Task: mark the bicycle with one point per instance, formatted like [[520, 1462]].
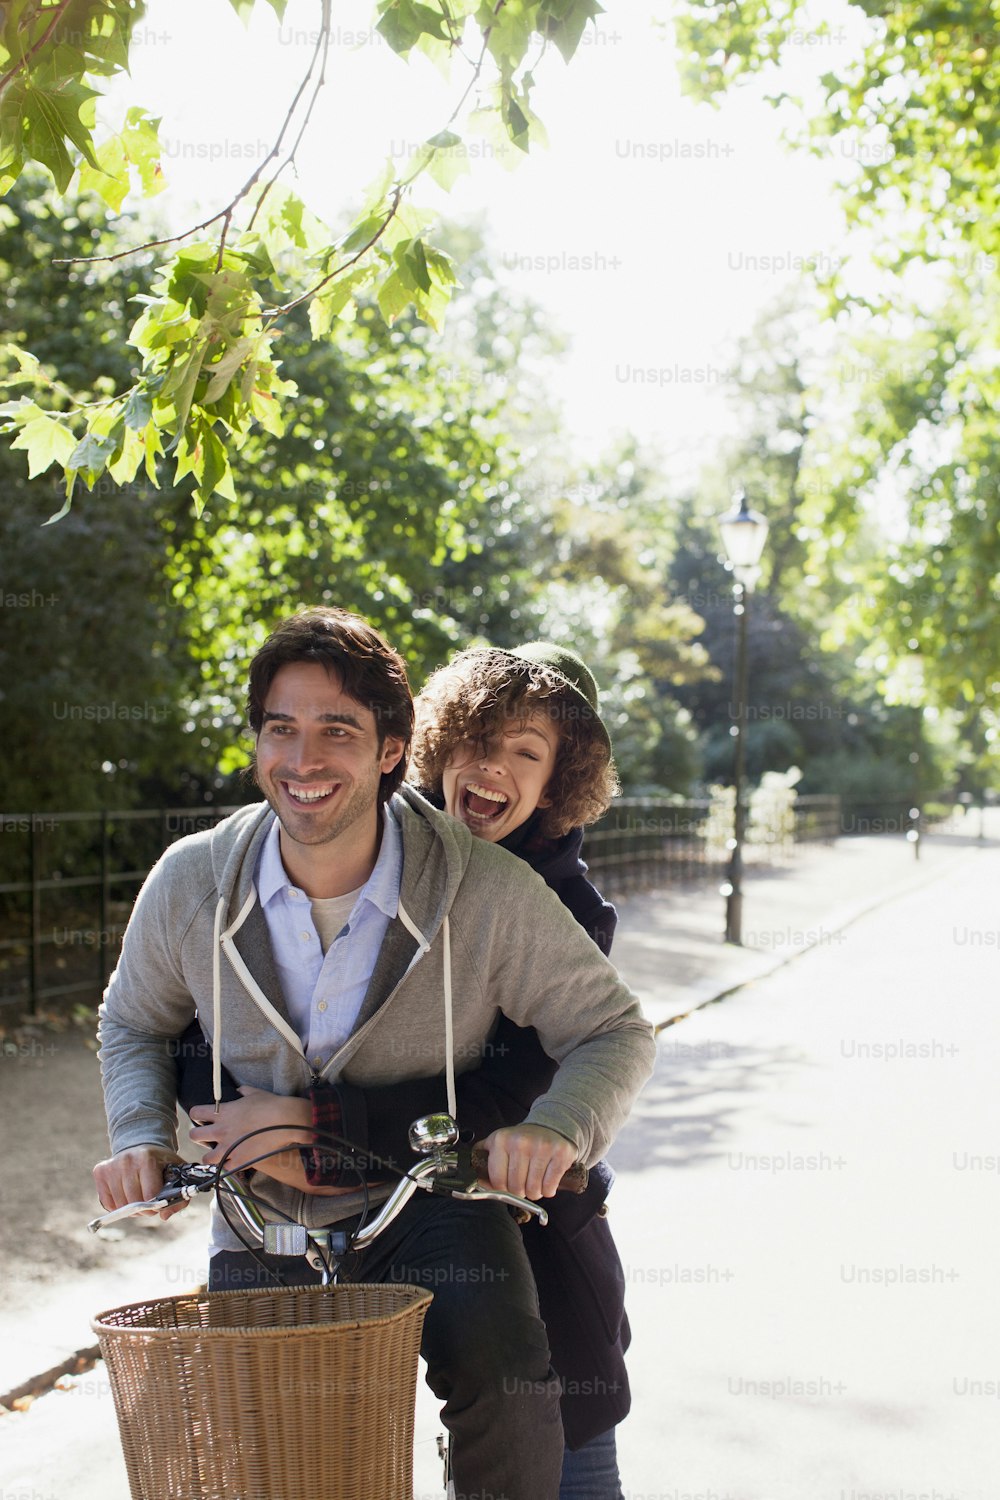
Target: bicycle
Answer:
[[373, 1347]]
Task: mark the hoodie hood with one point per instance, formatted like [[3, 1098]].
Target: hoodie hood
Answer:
[[437, 857]]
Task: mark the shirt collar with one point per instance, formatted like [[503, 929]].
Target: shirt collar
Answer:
[[381, 887]]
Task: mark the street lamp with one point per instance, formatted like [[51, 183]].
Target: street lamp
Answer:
[[744, 533]]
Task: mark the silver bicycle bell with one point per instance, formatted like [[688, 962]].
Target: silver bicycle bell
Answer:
[[433, 1135]]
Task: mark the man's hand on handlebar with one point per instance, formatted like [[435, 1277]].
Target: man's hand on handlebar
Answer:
[[133, 1176], [528, 1160]]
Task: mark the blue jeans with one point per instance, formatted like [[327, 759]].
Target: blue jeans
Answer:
[[591, 1473]]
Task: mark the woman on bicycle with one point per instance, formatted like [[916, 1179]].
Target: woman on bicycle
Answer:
[[511, 743]]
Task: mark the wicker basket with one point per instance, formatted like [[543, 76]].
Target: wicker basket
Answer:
[[301, 1393]]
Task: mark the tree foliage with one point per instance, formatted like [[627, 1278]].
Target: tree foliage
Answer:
[[397, 473], [917, 103], [902, 457], [209, 341]]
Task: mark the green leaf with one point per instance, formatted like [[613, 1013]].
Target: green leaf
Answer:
[[416, 263], [510, 30], [153, 449], [52, 118], [567, 29], [404, 22], [124, 464], [441, 267], [45, 139], [90, 456], [47, 440], [109, 179], [362, 233], [450, 160], [141, 143], [182, 381], [394, 297], [209, 463], [517, 121], [222, 372], [331, 302], [27, 363], [22, 410], [138, 409]]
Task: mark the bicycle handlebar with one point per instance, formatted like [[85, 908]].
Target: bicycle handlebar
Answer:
[[440, 1173], [573, 1180]]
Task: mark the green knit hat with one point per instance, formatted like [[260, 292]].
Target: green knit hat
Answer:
[[573, 670]]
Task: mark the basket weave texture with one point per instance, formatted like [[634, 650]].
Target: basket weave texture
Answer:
[[299, 1393]]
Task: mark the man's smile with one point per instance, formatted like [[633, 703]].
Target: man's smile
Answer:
[[309, 795]]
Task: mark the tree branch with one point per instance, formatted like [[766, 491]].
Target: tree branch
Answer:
[[397, 195], [322, 41], [226, 213], [272, 314], [60, 9], [321, 49]]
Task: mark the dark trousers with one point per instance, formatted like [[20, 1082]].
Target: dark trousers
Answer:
[[486, 1348]]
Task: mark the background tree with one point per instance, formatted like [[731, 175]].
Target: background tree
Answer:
[[211, 338], [399, 464], [915, 369]]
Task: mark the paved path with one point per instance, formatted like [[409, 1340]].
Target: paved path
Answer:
[[805, 1224], [808, 1197]]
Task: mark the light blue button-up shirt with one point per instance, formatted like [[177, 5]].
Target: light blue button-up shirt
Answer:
[[324, 993]]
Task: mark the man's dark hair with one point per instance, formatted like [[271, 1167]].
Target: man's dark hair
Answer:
[[370, 672]]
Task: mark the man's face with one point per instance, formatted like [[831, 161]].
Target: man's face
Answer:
[[318, 762], [495, 792]]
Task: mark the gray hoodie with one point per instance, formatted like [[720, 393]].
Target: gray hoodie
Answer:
[[477, 933]]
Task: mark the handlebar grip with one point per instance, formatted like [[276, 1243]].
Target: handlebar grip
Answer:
[[574, 1180]]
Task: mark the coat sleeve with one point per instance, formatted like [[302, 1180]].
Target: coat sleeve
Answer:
[[146, 1006], [554, 978]]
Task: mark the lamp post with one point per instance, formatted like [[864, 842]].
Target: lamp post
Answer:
[[744, 533]]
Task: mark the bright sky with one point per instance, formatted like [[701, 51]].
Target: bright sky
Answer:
[[653, 230]]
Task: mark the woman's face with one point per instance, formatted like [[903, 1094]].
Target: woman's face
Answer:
[[494, 792]]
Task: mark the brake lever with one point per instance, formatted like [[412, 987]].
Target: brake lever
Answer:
[[127, 1210], [173, 1191], [524, 1206]]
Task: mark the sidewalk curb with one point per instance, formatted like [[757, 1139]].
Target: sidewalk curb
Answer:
[[841, 919]]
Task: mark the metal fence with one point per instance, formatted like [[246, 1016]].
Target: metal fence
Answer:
[[67, 885], [641, 843], [68, 880]]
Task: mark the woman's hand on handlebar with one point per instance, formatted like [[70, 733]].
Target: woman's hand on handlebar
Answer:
[[133, 1176], [528, 1160]]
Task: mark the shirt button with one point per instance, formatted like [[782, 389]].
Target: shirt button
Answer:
[[305, 936], [321, 1005], [317, 1062]]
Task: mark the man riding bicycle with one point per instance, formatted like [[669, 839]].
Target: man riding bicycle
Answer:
[[349, 929]]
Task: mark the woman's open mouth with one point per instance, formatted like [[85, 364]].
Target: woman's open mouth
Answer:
[[483, 804]]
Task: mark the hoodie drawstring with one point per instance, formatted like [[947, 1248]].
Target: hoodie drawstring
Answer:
[[449, 1027], [224, 940], [220, 911]]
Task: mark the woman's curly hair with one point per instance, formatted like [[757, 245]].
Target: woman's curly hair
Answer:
[[483, 693]]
